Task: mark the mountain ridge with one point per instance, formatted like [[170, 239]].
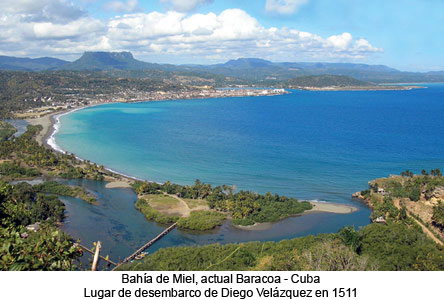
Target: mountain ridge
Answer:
[[250, 69], [30, 64]]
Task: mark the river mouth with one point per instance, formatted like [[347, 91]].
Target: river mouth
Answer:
[[122, 229]]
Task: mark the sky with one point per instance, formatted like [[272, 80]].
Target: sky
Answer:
[[407, 34]]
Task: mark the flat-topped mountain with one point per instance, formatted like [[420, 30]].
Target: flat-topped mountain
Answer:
[[247, 63], [100, 61]]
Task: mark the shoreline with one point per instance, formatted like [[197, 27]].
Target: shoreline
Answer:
[[51, 123], [363, 88], [317, 207], [47, 122], [330, 207]]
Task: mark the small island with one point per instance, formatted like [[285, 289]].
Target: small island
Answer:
[[203, 207]]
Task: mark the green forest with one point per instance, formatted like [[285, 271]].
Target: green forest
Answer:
[[25, 158], [48, 248], [245, 207], [391, 247]]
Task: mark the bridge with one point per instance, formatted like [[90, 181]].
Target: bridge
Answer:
[[146, 246]]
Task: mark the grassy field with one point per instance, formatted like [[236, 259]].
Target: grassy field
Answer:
[[161, 202], [193, 203]]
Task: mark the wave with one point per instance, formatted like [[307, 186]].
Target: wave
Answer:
[[56, 127], [122, 174]]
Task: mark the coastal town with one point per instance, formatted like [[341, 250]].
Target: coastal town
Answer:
[[76, 99]]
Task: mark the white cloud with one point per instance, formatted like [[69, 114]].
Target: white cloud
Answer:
[[121, 6], [173, 36], [341, 42], [232, 33], [75, 29], [185, 5], [145, 26], [55, 11], [285, 7]]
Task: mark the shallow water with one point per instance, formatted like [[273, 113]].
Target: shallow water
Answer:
[[20, 125]]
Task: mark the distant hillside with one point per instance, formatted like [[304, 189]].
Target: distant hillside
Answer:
[[260, 70], [246, 63], [325, 81], [253, 71], [101, 61], [30, 64]]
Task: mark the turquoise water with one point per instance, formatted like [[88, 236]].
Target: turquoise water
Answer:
[[311, 145]]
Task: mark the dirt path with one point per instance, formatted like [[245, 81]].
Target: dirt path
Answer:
[[424, 228], [184, 209]]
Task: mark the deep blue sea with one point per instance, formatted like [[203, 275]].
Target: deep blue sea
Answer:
[[310, 145]]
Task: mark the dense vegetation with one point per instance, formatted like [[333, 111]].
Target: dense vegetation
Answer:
[[395, 246], [16, 171], [21, 249], [245, 207], [152, 214], [201, 220], [198, 220], [438, 214], [295, 254], [6, 130], [56, 188], [29, 159]]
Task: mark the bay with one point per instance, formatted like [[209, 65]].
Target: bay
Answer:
[[310, 145]]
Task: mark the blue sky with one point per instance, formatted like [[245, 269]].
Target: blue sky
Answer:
[[403, 34]]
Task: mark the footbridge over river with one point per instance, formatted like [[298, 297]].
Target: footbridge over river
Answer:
[[147, 245]]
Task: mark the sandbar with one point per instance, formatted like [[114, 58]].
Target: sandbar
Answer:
[[331, 208], [117, 184]]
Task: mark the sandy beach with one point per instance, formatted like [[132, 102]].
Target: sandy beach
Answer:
[[331, 208], [117, 184], [257, 226], [318, 207], [47, 123]]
